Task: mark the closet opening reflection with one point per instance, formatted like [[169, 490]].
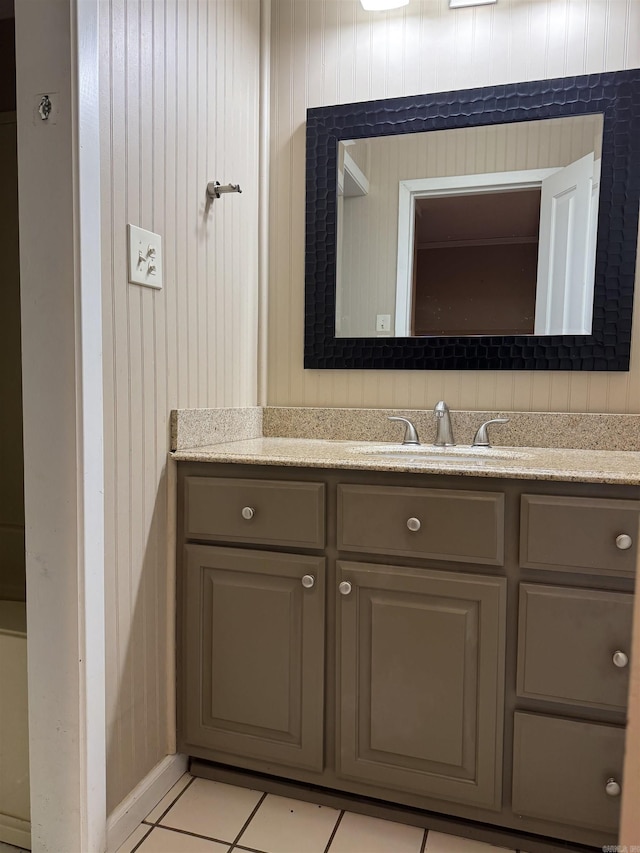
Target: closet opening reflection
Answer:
[[475, 264]]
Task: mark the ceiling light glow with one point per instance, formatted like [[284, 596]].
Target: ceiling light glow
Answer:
[[382, 5], [461, 4]]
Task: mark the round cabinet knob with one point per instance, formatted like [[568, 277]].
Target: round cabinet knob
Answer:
[[620, 659], [248, 512], [308, 581], [414, 524], [345, 588], [612, 788], [624, 542]]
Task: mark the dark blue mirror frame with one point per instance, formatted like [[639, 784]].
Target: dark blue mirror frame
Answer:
[[616, 95]]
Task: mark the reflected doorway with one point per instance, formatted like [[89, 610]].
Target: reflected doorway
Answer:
[[475, 264]]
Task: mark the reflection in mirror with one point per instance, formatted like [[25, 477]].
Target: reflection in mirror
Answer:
[[471, 231]]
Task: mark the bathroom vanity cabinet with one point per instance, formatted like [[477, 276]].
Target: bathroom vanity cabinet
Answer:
[[452, 644]]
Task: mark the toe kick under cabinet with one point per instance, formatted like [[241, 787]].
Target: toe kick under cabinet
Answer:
[[456, 645]]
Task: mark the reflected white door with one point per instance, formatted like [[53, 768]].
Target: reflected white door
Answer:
[[568, 217]]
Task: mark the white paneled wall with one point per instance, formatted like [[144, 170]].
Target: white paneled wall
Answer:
[[179, 108], [332, 51]]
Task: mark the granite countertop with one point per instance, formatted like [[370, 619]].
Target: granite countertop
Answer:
[[520, 463]]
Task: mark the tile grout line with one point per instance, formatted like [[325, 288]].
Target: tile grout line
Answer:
[[333, 834], [424, 841], [153, 826], [172, 804], [144, 838], [247, 822], [248, 849]]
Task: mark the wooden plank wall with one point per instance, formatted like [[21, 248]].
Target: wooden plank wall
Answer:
[[328, 52], [179, 108]]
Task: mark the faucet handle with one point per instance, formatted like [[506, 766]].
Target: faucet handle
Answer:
[[410, 434], [482, 436]]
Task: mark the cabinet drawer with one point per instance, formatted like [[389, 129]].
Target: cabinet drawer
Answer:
[[578, 534], [567, 639], [561, 768], [269, 512], [452, 525]]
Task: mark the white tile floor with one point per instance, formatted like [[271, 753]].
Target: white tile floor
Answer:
[[198, 816]]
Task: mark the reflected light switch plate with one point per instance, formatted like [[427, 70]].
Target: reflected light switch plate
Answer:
[[145, 257], [383, 322]]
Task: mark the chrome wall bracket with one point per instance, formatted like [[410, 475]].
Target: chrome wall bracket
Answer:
[[44, 107], [215, 189]]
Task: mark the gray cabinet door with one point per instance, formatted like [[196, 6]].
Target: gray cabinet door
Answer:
[[254, 655], [421, 681], [569, 640], [562, 770]]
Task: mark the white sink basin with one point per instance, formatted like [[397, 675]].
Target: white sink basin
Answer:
[[430, 453]]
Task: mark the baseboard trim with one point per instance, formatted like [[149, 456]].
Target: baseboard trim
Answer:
[[133, 809], [15, 831]]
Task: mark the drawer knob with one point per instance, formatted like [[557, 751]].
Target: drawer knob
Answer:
[[612, 788], [345, 588], [624, 542], [248, 512], [414, 524], [308, 581], [620, 659]]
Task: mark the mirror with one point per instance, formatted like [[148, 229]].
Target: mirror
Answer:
[[471, 231], [454, 264]]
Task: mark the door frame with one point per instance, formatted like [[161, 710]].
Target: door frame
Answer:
[[59, 218]]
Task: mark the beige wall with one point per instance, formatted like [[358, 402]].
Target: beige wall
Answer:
[[179, 108], [331, 51]]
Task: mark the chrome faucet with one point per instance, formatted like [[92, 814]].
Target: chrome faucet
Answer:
[[444, 430], [410, 433]]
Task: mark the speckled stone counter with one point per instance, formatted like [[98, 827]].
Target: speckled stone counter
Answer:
[[200, 427], [523, 463]]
